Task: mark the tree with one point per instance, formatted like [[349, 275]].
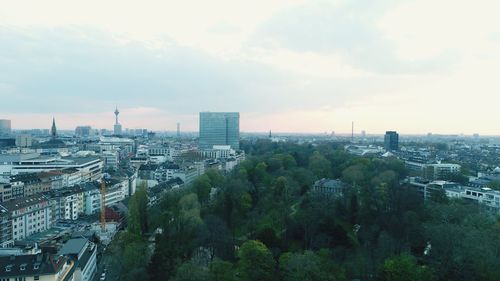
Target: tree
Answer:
[[288, 161], [216, 179], [309, 266], [216, 237], [202, 187], [354, 175], [256, 263], [405, 268], [495, 185], [138, 212], [319, 165], [188, 271], [221, 271]]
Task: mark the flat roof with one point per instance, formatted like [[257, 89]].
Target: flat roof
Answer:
[[74, 246]]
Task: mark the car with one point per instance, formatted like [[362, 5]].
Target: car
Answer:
[[102, 278]]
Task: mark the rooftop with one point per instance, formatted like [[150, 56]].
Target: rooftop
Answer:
[[74, 246], [24, 202], [30, 265]]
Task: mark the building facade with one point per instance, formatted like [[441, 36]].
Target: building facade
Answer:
[[5, 127], [391, 141], [219, 128], [29, 215]]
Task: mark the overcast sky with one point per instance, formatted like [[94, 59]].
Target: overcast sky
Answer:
[[415, 66]]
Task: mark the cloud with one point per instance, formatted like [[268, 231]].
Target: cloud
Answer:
[[83, 69], [65, 69], [346, 28]]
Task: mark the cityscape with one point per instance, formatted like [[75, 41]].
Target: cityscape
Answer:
[[264, 141]]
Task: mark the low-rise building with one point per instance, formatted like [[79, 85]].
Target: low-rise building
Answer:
[[329, 188], [90, 167], [6, 239], [44, 267], [84, 255]]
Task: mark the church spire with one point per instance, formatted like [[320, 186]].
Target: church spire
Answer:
[[53, 130]]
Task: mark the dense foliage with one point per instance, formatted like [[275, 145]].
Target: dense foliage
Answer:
[[261, 222]]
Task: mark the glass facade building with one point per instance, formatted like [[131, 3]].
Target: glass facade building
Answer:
[[219, 128], [391, 141]]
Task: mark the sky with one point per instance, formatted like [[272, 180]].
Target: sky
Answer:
[[415, 66]]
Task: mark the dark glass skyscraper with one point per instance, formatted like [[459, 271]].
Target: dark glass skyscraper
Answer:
[[391, 141], [219, 128]]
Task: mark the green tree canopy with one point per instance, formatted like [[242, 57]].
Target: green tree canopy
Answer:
[[256, 263]]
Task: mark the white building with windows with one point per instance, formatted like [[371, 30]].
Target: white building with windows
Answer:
[[111, 159], [67, 204], [90, 168], [91, 199], [29, 215]]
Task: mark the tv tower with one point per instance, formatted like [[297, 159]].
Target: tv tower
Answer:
[[117, 112], [117, 127]]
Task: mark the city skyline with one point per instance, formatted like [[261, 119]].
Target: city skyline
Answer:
[[379, 64], [356, 132]]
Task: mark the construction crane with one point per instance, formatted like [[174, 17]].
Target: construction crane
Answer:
[[103, 206]]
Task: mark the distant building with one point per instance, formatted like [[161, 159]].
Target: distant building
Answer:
[[328, 188], [12, 164], [219, 128], [5, 127], [111, 159], [124, 145], [83, 131], [441, 171], [24, 140], [219, 152], [391, 141]]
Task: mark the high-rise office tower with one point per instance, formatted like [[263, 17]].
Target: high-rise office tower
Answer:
[[5, 127], [219, 128], [118, 127], [391, 141]]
